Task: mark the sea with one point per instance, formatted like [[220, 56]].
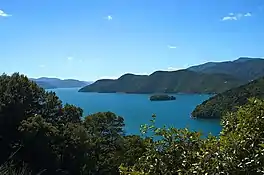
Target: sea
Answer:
[[137, 109]]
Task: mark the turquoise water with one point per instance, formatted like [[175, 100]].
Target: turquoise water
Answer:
[[137, 109]]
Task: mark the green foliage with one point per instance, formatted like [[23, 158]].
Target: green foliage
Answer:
[[183, 81], [52, 138], [242, 139], [71, 114], [228, 101], [44, 137], [73, 149], [238, 150], [173, 152], [37, 140], [106, 133]]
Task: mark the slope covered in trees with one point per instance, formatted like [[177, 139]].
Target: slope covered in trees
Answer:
[[39, 135], [244, 68], [183, 81], [228, 101]]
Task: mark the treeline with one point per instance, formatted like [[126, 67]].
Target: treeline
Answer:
[[228, 101], [39, 135], [180, 81]]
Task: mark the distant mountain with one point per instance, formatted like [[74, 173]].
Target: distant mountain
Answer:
[[51, 83], [183, 81], [45, 85], [228, 101], [244, 68]]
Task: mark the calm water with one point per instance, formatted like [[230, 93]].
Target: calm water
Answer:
[[138, 109]]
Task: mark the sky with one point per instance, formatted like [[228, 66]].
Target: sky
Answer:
[[94, 39]]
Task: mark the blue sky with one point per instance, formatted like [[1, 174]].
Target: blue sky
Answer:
[[92, 39]]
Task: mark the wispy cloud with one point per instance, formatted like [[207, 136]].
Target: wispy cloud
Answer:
[[247, 14], [172, 47], [109, 18], [229, 18], [3, 14], [109, 77], [173, 68], [70, 58], [235, 16], [141, 73]]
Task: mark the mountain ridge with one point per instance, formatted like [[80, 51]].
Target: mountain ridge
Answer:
[[244, 68], [181, 81], [53, 83], [238, 72]]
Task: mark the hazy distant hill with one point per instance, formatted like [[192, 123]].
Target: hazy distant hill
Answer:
[[183, 81], [50, 83], [228, 101], [244, 68]]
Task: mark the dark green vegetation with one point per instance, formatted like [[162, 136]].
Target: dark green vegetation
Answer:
[[161, 98], [244, 68], [183, 81], [228, 101], [52, 83], [210, 77], [39, 135]]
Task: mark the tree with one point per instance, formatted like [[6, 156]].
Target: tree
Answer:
[[168, 150], [242, 139], [71, 114], [134, 148], [21, 98], [74, 149], [238, 150], [35, 123], [106, 132], [38, 144]]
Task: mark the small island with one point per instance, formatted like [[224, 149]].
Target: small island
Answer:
[[161, 98]]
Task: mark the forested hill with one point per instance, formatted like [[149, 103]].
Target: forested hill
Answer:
[[219, 105], [244, 68], [181, 81]]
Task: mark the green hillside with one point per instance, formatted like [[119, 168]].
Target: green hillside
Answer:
[[217, 106], [183, 81], [244, 68]]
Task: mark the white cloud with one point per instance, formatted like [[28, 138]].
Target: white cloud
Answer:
[[70, 58], [248, 14], [3, 14], [237, 16], [172, 47], [229, 18], [109, 18]]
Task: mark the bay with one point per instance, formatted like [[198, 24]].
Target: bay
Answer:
[[137, 109]]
